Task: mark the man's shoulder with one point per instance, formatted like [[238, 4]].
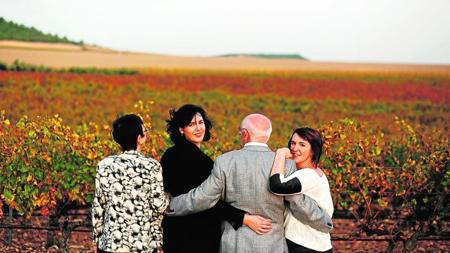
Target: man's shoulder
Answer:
[[229, 154], [290, 166], [242, 153], [290, 162]]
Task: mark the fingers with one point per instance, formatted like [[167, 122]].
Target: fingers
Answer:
[[264, 225], [287, 153], [263, 230], [263, 220], [258, 224]]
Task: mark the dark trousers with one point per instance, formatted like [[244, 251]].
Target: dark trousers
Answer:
[[102, 251], [296, 248]]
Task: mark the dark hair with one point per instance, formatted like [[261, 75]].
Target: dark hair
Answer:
[[126, 129], [182, 117], [314, 138]]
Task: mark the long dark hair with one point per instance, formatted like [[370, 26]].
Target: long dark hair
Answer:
[[182, 117], [315, 140]]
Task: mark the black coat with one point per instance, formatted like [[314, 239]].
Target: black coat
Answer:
[[185, 167]]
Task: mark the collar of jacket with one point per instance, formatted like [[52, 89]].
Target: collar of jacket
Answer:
[[185, 143], [256, 148], [131, 152]]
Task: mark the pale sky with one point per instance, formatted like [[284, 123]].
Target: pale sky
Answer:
[[390, 31]]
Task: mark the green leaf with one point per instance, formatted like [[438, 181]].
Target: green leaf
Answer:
[[27, 189], [39, 175], [89, 198], [8, 195], [66, 185], [32, 134], [23, 169], [377, 151]]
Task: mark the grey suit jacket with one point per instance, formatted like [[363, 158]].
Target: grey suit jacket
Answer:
[[241, 178]]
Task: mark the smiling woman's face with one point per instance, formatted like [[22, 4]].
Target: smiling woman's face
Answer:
[[195, 130], [301, 150]]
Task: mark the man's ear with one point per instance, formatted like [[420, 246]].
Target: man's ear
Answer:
[[181, 130], [247, 136]]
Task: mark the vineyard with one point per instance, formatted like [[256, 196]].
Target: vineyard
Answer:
[[386, 140]]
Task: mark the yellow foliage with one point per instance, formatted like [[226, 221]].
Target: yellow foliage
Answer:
[[42, 200]]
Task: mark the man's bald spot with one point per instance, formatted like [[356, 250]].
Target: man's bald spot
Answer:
[[258, 125]]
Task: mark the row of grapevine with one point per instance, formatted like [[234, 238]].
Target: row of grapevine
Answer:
[[374, 178]]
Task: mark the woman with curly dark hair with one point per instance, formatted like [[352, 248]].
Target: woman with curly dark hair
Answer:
[[185, 167]]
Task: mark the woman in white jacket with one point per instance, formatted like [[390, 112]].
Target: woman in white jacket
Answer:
[[305, 148]]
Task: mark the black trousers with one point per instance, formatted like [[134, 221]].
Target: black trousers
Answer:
[[102, 251], [296, 248]]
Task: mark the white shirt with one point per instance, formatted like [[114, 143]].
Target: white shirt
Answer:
[[255, 144], [317, 188]]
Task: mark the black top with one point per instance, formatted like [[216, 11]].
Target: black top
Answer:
[[185, 167]]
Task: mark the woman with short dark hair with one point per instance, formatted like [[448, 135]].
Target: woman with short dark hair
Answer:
[[126, 130], [305, 148], [185, 167], [129, 201]]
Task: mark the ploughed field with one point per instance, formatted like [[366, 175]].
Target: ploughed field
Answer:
[[33, 241]]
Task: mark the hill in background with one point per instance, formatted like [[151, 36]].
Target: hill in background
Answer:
[[12, 31], [268, 56], [24, 46]]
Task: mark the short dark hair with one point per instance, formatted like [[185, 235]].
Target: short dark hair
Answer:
[[182, 117], [315, 140], [126, 129]]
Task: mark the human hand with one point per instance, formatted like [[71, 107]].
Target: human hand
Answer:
[[258, 224], [284, 152]]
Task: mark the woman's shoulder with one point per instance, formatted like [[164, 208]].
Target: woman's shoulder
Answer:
[[179, 148], [171, 153], [309, 172], [107, 161], [147, 167]]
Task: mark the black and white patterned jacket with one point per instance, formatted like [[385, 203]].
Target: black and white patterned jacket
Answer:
[[129, 203]]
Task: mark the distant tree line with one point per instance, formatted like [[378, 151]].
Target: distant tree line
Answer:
[[26, 67], [12, 31]]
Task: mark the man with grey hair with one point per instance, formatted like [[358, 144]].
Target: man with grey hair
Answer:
[[258, 127], [241, 178]]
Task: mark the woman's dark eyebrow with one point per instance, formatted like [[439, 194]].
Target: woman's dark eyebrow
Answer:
[[299, 142]]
